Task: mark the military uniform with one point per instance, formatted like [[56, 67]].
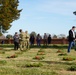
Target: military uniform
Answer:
[[27, 39], [22, 40]]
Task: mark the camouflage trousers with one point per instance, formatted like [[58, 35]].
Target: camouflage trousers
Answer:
[[27, 43], [22, 45]]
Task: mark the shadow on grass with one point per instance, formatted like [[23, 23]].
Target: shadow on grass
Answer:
[[51, 46], [57, 46], [58, 62]]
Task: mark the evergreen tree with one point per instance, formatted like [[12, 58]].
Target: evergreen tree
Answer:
[[8, 13]]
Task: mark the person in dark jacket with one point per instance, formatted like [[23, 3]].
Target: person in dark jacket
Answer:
[[16, 41], [49, 39], [71, 38], [32, 39]]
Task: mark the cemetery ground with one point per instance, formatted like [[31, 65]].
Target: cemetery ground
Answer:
[[51, 60]]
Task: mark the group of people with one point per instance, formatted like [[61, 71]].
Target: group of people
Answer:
[[21, 40], [38, 38]]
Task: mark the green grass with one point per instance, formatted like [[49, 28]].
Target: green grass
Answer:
[[6, 45], [35, 46], [24, 64]]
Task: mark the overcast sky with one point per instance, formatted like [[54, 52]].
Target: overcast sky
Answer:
[[45, 16]]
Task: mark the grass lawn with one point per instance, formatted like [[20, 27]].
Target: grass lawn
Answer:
[[37, 61]]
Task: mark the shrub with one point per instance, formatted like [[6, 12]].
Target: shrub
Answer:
[[68, 58], [34, 65], [12, 56], [62, 54], [72, 68], [59, 51], [39, 57]]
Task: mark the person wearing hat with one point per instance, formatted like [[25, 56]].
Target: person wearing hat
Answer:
[[71, 38]]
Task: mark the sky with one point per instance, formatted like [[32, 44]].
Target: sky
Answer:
[[45, 16]]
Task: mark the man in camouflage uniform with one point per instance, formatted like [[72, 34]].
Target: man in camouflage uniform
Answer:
[[27, 39], [22, 39]]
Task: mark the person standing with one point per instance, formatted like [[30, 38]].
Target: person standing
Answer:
[[49, 39], [32, 39], [45, 39], [71, 38], [38, 39], [27, 39], [22, 39], [16, 41]]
